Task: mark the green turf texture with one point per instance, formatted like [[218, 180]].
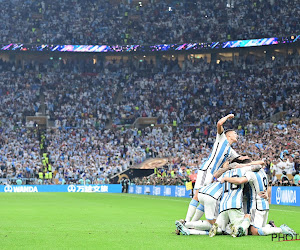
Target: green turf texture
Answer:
[[115, 221]]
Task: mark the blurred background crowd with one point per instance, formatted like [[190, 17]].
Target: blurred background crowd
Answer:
[[145, 22], [91, 103]]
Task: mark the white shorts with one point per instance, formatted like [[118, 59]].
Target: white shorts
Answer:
[[234, 216], [258, 218], [204, 177], [211, 206]]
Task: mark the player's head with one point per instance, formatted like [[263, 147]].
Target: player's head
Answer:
[[242, 160], [232, 165], [231, 135]]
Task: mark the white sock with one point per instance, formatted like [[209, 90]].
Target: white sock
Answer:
[[199, 212], [245, 224], [198, 232], [199, 225], [269, 230], [191, 210], [228, 229]]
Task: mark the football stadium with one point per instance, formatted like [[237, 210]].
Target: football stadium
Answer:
[[150, 124]]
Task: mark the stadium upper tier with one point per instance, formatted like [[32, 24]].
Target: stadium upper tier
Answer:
[[142, 22], [78, 93]]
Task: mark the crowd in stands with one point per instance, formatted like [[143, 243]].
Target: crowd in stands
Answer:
[[19, 146], [145, 22], [82, 99], [195, 92], [276, 144]]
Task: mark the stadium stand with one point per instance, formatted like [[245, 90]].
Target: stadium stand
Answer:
[[92, 105], [145, 22], [82, 144]]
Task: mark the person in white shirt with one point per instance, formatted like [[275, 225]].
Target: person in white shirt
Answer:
[[221, 152]]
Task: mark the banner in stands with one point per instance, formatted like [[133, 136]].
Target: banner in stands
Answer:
[[172, 191], [110, 188], [150, 48], [285, 196]]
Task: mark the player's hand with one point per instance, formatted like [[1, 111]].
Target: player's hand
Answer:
[[261, 162], [222, 180], [244, 157], [230, 116], [264, 195], [237, 166]]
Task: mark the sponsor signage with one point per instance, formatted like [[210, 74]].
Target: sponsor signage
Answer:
[[285, 196], [172, 191], [280, 195], [110, 188]]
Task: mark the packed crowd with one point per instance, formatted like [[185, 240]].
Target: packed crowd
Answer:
[[95, 155], [145, 22], [80, 101], [19, 146], [276, 144], [19, 90], [83, 98], [194, 92]]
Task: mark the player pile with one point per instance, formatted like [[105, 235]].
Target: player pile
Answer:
[[237, 201]]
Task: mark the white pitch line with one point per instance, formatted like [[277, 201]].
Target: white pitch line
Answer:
[[179, 200], [284, 210], [157, 198]]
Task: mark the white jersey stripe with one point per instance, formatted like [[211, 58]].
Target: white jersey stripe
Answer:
[[258, 182], [232, 195], [220, 153]]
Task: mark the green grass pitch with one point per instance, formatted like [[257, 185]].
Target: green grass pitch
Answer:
[[115, 221]]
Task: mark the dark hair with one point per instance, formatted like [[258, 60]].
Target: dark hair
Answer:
[[241, 161], [228, 130]]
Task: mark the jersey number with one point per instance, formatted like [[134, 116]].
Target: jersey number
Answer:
[[265, 183], [230, 186]]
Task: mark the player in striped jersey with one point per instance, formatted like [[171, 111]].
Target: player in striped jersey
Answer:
[[259, 206], [208, 197], [221, 152], [231, 204]]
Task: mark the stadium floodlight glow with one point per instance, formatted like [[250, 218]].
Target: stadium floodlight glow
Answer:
[[152, 48]]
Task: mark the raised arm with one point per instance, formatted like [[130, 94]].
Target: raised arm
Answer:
[[222, 170], [220, 123], [235, 180]]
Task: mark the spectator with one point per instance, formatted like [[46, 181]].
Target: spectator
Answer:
[[156, 22], [296, 179], [284, 179]]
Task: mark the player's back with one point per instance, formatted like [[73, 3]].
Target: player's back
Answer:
[[214, 190], [220, 146], [221, 152], [232, 195], [258, 182]]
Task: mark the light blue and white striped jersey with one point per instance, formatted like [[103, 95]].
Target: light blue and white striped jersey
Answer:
[[258, 182], [232, 195], [214, 190], [221, 152]]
